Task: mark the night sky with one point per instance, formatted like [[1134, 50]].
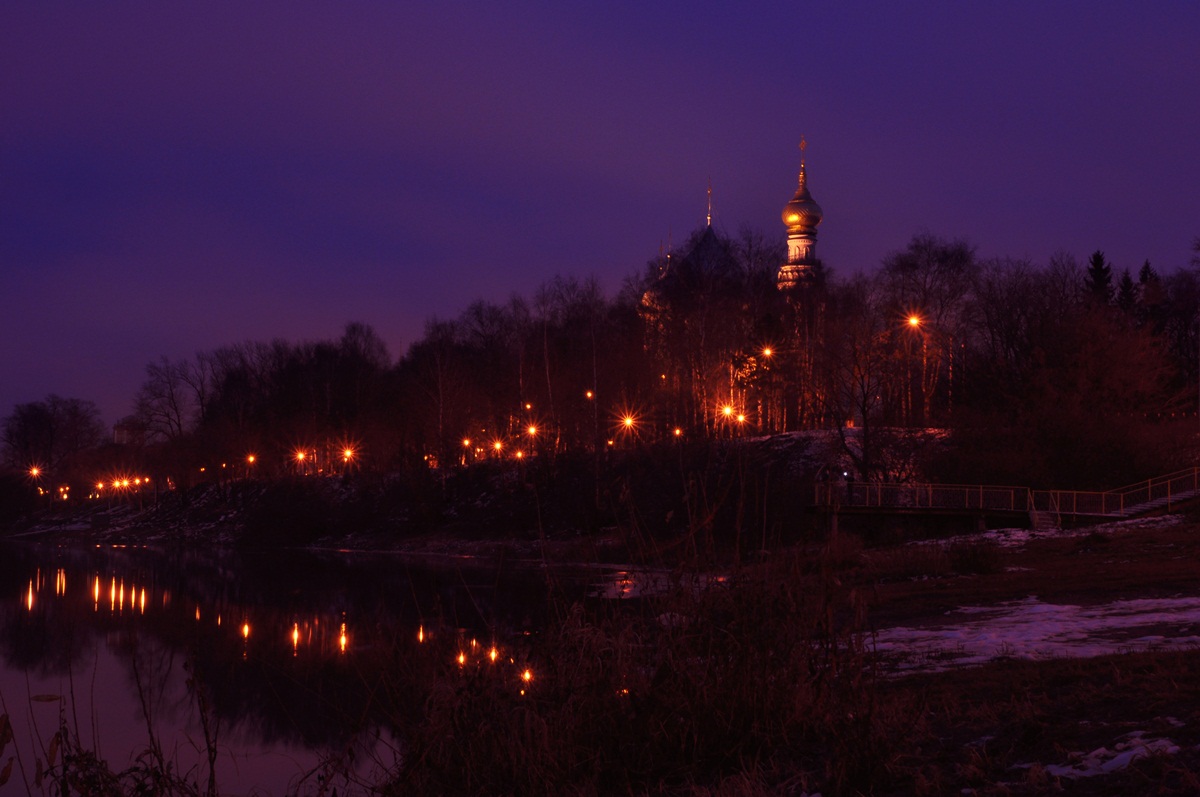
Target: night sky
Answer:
[[177, 177]]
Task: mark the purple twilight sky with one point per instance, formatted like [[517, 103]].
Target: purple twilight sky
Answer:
[[177, 177]]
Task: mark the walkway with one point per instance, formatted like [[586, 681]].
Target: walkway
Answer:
[[1161, 493]]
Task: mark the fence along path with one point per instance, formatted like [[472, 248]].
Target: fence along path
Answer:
[[1162, 492]]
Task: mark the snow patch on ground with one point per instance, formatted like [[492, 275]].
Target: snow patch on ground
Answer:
[[1103, 761], [1016, 538], [1031, 629]]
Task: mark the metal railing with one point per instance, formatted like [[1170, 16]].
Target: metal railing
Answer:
[[922, 496], [1162, 491]]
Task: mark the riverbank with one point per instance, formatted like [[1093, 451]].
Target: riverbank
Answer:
[[684, 503], [225, 516]]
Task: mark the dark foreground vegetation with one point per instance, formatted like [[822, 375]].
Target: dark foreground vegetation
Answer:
[[763, 682]]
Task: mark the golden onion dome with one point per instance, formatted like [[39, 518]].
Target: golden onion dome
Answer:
[[803, 210]]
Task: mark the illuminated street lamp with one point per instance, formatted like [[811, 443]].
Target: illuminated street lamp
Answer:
[[349, 459], [944, 343], [626, 425]]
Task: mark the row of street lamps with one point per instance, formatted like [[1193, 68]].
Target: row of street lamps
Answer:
[[626, 423]]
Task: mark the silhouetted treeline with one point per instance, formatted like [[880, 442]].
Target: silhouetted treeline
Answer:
[[1046, 374]]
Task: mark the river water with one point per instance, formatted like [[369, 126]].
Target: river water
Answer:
[[296, 668]]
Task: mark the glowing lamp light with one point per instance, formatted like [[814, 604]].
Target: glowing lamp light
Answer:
[[533, 430], [678, 432], [35, 471], [914, 321], [497, 445], [527, 676], [590, 394], [727, 411], [520, 455], [628, 421], [347, 454], [767, 352], [492, 654], [466, 442], [462, 659], [741, 418], [250, 459], [245, 630]]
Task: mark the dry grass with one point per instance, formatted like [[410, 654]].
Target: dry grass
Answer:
[[997, 729], [756, 684]]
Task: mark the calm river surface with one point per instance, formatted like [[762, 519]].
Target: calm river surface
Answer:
[[297, 655]]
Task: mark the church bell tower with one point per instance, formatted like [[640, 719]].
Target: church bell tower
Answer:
[[801, 217]]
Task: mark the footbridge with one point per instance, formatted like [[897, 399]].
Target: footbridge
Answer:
[[1045, 508]]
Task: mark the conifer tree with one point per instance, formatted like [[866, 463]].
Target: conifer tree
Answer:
[[1098, 282], [1127, 293]]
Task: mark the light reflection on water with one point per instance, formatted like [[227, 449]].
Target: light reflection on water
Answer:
[[630, 584], [289, 650]]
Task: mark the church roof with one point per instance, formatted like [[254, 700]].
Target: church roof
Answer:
[[802, 211]]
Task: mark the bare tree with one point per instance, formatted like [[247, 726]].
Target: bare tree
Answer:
[[48, 433], [166, 401], [929, 283]]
